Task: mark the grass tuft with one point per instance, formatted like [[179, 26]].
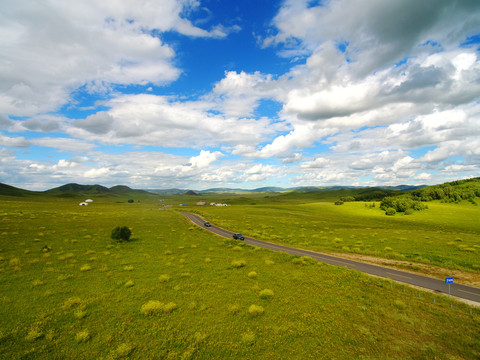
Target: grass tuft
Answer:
[[123, 351], [234, 308], [164, 278], [86, 268], [33, 334], [168, 308], [82, 336], [71, 302], [15, 262], [128, 267], [399, 304], [152, 307], [255, 310], [239, 263], [37, 282], [129, 283], [266, 294], [252, 275], [248, 338], [80, 313]]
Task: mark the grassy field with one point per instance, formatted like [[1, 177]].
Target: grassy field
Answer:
[[67, 291], [447, 235]]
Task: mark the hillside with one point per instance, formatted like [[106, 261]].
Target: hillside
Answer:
[[9, 190], [454, 191], [73, 190]]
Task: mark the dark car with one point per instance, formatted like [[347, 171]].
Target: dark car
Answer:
[[238, 236], [207, 224]]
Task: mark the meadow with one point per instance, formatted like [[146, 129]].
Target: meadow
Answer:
[[177, 291], [445, 235]]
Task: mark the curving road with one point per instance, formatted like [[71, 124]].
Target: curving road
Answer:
[[462, 291]]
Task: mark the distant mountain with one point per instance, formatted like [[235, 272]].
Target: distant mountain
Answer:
[[77, 188], [73, 189], [167, 191]]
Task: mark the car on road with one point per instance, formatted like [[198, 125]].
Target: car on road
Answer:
[[238, 236], [207, 224]]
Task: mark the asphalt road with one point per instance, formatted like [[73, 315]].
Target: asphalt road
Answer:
[[462, 291]]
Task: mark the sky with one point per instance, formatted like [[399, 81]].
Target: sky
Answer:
[[199, 94]]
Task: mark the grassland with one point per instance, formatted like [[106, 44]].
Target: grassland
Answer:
[[178, 292], [446, 235]]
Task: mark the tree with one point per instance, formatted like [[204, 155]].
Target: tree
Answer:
[[121, 233]]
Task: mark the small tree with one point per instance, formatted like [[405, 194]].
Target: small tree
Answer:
[[390, 212], [121, 233]]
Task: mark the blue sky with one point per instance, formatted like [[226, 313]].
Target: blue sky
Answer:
[[199, 94]]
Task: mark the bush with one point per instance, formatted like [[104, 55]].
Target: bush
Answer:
[[121, 233], [152, 307], [390, 212], [339, 202]]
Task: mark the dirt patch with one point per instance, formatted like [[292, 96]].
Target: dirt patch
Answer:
[[460, 276]]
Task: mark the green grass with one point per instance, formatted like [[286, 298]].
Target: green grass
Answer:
[[244, 302], [447, 235]]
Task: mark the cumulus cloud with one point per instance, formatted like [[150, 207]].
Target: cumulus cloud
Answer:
[[205, 158], [386, 94], [50, 48], [147, 119]]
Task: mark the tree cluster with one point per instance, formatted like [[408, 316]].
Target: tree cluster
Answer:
[[454, 191], [403, 203]]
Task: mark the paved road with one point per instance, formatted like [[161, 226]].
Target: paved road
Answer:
[[458, 290]]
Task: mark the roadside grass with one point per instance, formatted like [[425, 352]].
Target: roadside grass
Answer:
[[244, 302], [446, 235]]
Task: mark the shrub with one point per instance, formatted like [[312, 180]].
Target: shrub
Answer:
[[152, 307], [255, 310], [339, 202], [121, 233], [252, 274], [390, 211], [129, 283], [238, 263], [266, 294]]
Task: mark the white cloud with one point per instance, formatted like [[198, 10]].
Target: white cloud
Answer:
[[205, 159], [51, 47], [147, 119], [97, 173]]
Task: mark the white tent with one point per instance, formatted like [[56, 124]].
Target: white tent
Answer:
[[88, 200], [83, 204]]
